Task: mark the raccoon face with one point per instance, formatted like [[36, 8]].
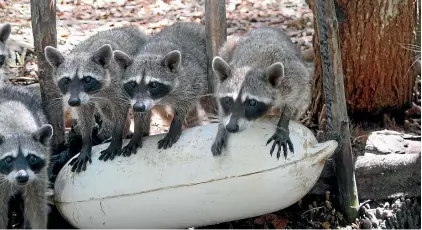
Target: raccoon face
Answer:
[[243, 94], [23, 156], [149, 78], [79, 76], [5, 31]]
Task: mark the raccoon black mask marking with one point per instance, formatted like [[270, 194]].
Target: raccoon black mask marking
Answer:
[[158, 77], [154, 89], [251, 109], [75, 86], [21, 164]]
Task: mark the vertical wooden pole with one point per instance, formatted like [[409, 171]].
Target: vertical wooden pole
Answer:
[[216, 31], [327, 27], [43, 19]]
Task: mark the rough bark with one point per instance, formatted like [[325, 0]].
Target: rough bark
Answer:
[[337, 119], [376, 65], [43, 18]]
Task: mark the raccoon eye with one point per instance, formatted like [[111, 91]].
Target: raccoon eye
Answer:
[[32, 159], [227, 100], [8, 160], [66, 80], [252, 102], [154, 85], [88, 79], [132, 84]]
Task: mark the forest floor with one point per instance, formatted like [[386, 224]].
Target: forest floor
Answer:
[[76, 20]]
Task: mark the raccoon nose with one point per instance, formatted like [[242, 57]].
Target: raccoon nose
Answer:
[[22, 177], [139, 107], [74, 101], [232, 127], [2, 58]]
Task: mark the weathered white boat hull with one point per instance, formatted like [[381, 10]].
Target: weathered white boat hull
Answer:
[[186, 186]]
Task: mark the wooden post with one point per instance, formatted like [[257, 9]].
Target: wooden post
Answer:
[[43, 19], [329, 41], [216, 31]]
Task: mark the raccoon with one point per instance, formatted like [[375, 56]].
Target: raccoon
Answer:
[[170, 70], [90, 82], [24, 155], [5, 31], [263, 69]]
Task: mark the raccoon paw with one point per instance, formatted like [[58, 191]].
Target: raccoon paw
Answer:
[[281, 138], [79, 164], [131, 148], [110, 152], [217, 147], [168, 140]]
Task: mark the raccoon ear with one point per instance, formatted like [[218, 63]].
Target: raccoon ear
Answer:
[[172, 60], [5, 32], [122, 59], [43, 134], [1, 139], [221, 68], [102, 56], [274, 73], [53, 56]]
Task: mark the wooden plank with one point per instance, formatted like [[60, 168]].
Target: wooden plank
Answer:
[[43, 19], [333, 78]]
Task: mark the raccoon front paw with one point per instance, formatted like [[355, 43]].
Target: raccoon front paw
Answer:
[[79, 164], [168, 140], [110, 152], [131, 148], [281, 138], [217, 147]]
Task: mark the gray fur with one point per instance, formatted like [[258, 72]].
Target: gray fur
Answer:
[[28, 131], [93, 57], [266, 65], [176, 57]]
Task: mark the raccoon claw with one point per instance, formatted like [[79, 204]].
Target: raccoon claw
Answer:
[[217, 147], [168, 140], [281, 138], [110, 153], [79, 164], [131, 148]]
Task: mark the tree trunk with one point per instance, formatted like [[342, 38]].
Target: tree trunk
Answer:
[[43, 18], [377, 67]]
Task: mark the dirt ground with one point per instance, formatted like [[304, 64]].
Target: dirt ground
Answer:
[[77, 19]]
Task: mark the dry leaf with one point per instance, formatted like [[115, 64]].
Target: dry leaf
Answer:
[[280, 223], [326, 225], [269, 217], [259, 221]]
